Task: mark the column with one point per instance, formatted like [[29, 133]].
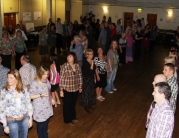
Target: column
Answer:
[[49, 9], [1, 17], [76, 10]]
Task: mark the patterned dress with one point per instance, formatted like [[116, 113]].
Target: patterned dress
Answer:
[[88, 94]]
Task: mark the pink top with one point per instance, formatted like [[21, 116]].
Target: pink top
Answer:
[[129, 40], [54, 76]]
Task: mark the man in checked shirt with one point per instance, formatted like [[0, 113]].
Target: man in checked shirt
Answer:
[[27, 71], [162, 118]]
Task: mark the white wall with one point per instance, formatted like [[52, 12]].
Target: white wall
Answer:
[[116, 12]]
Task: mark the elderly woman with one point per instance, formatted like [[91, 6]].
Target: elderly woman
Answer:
[[42, 101], [43, 50], [84, 40], [112, 58], [19, 48], [52, 39], [89, 79], [70, 86], [6, 50], [15, 107]]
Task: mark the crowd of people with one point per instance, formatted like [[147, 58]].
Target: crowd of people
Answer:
[[28, 94], [160, 117]]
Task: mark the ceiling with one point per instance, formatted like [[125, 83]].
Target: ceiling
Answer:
[[173, 4]]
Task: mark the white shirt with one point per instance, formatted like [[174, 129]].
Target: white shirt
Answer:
[[59, 28]]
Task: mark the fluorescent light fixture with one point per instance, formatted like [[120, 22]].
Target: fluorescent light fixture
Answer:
[[139, 9]]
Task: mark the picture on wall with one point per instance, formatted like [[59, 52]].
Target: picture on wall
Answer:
[[37, 15], [26, 16]]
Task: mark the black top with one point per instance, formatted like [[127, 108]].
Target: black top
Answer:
[[76, 29], [147, 35], [90, 40], [86, 71], [11, 32], [138, 36]]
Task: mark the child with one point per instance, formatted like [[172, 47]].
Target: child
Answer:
[[55, 78]]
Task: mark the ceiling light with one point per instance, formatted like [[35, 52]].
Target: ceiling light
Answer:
[[139, 9]]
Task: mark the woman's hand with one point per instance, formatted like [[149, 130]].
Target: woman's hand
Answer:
[[107, 74], [53, 102], [44, 95], [98, 78], [61, 93], [80, 90], [30, 122], [6, 130]]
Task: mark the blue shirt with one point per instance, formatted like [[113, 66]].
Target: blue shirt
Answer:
[[78, 50], [103, 34]]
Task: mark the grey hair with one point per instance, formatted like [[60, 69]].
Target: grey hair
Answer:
[[26, 58], [82, 32], [77, 37]]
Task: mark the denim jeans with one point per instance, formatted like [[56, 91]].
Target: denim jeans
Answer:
[[42, 128], [110, 80], [18, 129]]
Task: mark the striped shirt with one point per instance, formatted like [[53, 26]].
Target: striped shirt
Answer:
[[161, 122], [70, 80]]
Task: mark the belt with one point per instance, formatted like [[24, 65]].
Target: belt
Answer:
[[16, 119]]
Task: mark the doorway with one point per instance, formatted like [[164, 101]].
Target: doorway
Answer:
[[10, 19], [152, 19], [128, 19]]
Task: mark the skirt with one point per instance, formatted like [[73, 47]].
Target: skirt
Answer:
[[54, 87], [43, 50], [103, 82], [88, 93]]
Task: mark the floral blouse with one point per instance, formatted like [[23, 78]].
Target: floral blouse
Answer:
[[13, 106], [5, 47], [42, 106]]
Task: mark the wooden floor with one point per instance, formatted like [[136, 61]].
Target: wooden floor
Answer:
[[123, 113]]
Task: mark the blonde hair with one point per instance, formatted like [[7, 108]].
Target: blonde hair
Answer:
[[111, 46], [169, 59], [19, 85], [41, 72], [87, 51]]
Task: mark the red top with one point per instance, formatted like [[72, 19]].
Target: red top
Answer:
[[113, 32]]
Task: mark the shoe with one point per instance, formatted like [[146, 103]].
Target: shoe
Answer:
[[72, 124], [110, 92], [102, 97], [99, 99], [55, 105], [87, 109], [75, 121], [58, 103], [115, 89]]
